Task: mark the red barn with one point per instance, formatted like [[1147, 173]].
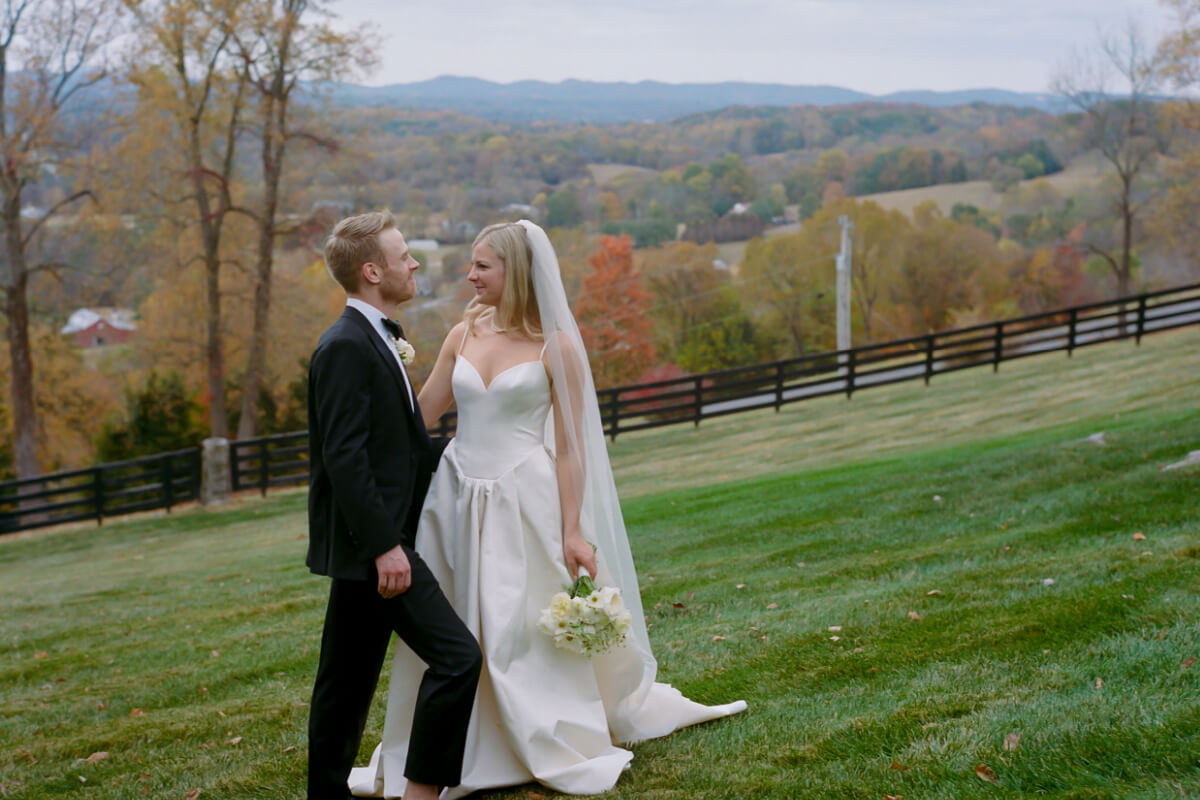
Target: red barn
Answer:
[[97, 327]]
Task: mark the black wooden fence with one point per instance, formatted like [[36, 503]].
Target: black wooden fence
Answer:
[[772, 385], [106, 490], [282, 460]]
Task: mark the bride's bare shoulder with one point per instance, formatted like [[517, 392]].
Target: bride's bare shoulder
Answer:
[[454, 338]]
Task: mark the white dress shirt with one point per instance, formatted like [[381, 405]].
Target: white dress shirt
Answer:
[[376, 317]]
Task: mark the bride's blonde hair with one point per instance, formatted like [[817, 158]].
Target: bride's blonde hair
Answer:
[[518, 309]]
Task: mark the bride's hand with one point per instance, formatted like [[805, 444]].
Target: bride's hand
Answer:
[[578, 553]]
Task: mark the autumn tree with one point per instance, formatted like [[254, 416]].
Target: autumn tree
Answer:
[[1123, 125], [611, 311], [51, 54], [186, 68], [686, 285], [936, 272], [280, 45], [788, 280], [1178, 217]]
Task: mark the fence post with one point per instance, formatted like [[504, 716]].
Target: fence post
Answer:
[[614, 419], [264, 474], [998, 348], [850, 362], [214, 485], [1071, 331], [168, 482], [98, 493], [928, 357], [1141, 323], [698, 410], [778, 384]]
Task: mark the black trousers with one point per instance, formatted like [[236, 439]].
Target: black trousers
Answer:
[[358, 626]]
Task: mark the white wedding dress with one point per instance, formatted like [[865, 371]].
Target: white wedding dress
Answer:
[[491, 532]]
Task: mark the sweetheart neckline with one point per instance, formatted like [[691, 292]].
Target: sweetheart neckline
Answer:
[[488, 385]]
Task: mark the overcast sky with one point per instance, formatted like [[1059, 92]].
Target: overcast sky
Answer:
[[874, 46]]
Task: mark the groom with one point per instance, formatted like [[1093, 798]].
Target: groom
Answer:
[[371, 460]]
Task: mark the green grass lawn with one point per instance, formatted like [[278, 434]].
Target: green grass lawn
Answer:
[[1023, 605]]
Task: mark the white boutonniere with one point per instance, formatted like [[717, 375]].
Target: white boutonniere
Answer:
[[405, 350]]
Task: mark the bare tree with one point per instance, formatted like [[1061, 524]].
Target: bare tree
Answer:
[[51, 52], [1122, 123], [189, 45], [280, 46]]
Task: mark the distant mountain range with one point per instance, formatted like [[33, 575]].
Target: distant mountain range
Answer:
[[589, 101]]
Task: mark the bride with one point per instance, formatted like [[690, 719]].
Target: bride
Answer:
[[519, 499]]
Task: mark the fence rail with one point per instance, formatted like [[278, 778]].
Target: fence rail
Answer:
[[282, 460], [107, 490]]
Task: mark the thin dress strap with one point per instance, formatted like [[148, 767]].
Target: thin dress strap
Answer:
[[462, 343]]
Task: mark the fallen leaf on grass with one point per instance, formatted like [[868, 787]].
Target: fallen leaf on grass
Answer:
[[235, 740], [984, 773], [835, 628], [81, 779], [898, 766], [913, 615], [1139, 537], [835, 638], [772, 605], [1011, 741], [215, 654], [289, 748], [677, 604], [691, 596], [932, 593], [1188, 662], [1047, 581], [192, 794], [718, 638], [40, 654], [893, 797], [137, 712], [99, 755], [741, 586], [1099, 683]]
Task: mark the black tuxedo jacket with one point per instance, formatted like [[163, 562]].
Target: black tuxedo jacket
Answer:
[[370, 456]]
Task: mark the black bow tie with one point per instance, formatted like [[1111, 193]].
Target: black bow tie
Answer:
[[393, 327]]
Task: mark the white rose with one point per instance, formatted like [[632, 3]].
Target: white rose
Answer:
[[406, 351], [610, 601]]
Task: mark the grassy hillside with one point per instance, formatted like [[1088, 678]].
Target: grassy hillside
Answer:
[[950, 580], [1096, 389]]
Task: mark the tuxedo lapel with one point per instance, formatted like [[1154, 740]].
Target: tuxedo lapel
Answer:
[[389, 360]]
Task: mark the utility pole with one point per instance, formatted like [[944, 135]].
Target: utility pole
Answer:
[[843, 288]]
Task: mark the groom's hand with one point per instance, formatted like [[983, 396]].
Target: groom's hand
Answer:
[[395, 573]]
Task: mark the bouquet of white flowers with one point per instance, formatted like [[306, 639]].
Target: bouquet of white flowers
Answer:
[[586, 619]]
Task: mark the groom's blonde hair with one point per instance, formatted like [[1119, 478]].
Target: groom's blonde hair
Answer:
[[354, 242], [518, 309]]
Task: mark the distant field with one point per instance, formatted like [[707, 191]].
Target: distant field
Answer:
[[1079, 175], [606, 174]]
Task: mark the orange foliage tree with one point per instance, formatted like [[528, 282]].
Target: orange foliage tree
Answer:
[[612, 313]]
